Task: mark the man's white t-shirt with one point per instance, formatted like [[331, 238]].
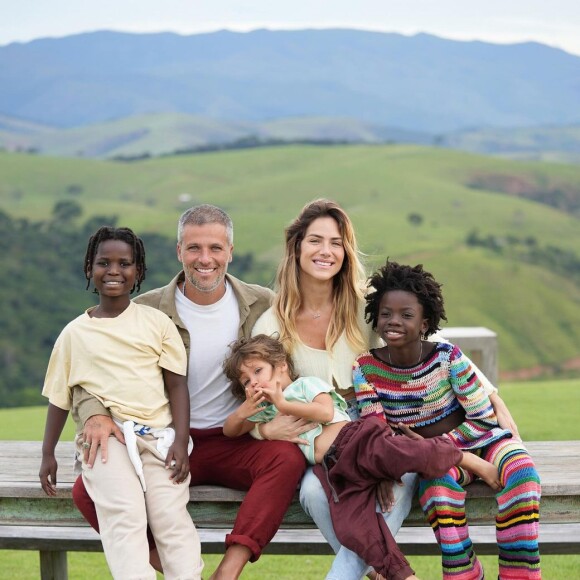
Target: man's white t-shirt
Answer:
[[211, 329]]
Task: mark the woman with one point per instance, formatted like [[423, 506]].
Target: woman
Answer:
[[319, 314]]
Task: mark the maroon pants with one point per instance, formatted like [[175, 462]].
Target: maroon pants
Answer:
[[364, 453], [269, 470]]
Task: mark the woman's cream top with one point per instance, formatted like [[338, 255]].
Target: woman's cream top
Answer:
[[334, 367]]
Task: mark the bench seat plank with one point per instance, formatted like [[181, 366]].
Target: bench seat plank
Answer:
[[558, 463], [554, 539], [22, 501]]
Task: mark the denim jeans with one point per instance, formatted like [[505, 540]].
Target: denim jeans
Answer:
[[347, 565]]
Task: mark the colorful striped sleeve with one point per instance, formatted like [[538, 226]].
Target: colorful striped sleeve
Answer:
[[480, 423], [368, 402]]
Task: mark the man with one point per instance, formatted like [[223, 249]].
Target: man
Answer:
[[211, 309]]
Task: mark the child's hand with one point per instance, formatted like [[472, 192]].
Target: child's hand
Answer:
[[47, 474], [251, 405], [490, 474], [178, 460], [406, 430], [274, 394], [385, 494]]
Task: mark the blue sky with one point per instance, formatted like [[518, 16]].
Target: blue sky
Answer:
[[556, 23]]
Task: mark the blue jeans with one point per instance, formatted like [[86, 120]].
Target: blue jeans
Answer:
[[347, 565]]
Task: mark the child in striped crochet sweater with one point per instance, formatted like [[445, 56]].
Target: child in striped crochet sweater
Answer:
[[431, 388]]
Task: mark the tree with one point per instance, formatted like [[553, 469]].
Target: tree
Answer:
[[415, 219], [65, 212]]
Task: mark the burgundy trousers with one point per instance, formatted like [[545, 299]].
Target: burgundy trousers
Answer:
[[268, 470], [364, 453]]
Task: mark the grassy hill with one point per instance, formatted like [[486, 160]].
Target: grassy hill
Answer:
[[560, 144], [157, 134], [142, 134], [534, 307]]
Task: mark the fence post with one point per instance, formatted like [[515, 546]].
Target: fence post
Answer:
[[480, 344]]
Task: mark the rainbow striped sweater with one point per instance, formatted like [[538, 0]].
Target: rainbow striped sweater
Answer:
[[441, 383]]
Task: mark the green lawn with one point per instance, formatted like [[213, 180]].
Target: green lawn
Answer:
[[544, 411], [19, 565]]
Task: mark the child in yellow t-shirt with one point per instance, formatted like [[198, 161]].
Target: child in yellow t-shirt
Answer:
[[130, 357]]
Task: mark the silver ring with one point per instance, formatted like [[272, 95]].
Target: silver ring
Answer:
[[86, 445]]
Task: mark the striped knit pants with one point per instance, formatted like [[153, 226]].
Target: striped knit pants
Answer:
[[443, 501]]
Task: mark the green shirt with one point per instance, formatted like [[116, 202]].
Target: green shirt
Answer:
[[305, 390]]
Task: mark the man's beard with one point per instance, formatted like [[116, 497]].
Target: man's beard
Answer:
[[202, 287]]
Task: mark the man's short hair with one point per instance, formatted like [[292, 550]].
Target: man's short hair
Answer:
[[205, 214]]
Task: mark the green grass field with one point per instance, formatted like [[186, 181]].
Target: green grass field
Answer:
[[18, 565], [544, 410]]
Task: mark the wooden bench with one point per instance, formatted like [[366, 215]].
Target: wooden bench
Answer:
[[29, 520]]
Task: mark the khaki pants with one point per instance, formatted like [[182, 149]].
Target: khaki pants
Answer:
[[124, 511]]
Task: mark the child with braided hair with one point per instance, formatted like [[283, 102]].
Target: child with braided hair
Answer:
[[431, 387], [132, 358]]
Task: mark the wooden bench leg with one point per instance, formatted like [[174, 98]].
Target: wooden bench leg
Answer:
[[53, 565]]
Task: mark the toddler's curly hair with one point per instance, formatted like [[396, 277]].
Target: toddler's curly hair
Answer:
[[261, 347]]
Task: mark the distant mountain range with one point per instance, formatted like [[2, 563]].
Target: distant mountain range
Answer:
[[165, 133], [422, 84]]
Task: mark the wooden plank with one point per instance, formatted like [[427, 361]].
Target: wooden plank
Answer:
[[217, 514], [53, 566], [554, 539], [22, 501], [50, 538], [558, 463]]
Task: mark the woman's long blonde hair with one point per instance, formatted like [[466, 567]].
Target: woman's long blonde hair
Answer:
[[347, 289]]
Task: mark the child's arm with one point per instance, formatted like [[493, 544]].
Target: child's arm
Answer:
[[479, 415], [97, 423], [55, 421], [504, 417], [321, 409], [178, 394], [482, 468], [367, 399], [237, 423], [471, 462]]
